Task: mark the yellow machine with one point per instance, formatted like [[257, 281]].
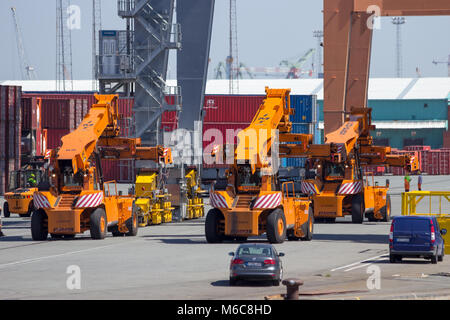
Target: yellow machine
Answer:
[[75, 198], [195, 206], [411, 201], [337, 185], [251, 200], [23, 183], [152, 202]]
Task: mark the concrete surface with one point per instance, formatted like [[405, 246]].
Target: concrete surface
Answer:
[[173, 261]]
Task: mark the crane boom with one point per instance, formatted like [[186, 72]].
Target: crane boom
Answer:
[[99, 132]]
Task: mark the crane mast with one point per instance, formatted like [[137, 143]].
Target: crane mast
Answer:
[[27, 71]]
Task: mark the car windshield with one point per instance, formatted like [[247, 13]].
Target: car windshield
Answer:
[[256, 250]]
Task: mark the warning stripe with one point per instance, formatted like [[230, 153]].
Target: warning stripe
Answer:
[[90, 200], [268, 201], [350, 188], [48, 153], [308, 188], [40, 201], [218, 201]]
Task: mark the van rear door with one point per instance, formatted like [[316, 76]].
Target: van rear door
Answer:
[[412, 234]]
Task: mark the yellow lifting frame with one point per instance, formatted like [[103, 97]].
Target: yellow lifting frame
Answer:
[[410, 200]]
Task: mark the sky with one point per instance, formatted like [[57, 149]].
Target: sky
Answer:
[[268, 32]]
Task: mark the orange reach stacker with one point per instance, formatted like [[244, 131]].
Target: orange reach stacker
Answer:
[[252, 200], [75, 198]]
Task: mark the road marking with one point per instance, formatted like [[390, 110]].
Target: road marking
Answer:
[[27, 261], [355, 263], [364, 265]]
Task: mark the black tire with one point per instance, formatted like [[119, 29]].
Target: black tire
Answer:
[[441, 257], [308, 227], [386, 210], [357, 209], [276, 283], [30, 210], [291, 235], [434, 259], [274, 220], [6, 212], [371, 216], [212, 226], [39, 227], [115, 232], [233, 282], [132, 225], [98, 224], [392, 258]]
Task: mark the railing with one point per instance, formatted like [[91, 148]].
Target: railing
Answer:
[[120, 65], [411, 201], [106, 188], [125, 8]]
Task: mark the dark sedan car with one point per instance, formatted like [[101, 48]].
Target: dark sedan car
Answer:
[[253, 261]]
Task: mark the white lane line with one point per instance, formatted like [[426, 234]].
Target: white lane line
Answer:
[[27, 261], [365, 264], [355, 263]]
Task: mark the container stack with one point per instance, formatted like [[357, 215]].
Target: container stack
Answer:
[[229, 114], [226, 115], [10, 133], [431, 162], [304, 121], [62, 113]]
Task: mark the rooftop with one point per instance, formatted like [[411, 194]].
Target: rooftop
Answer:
[[379, 88]]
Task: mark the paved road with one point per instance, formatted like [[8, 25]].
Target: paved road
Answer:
[[173, 261]]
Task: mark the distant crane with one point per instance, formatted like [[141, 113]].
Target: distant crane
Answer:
[[318, 61], [398, 22], [295, 67], [64, 77], [288, 68], [232, 59], [27, 71], [436, 62], [96, 27]]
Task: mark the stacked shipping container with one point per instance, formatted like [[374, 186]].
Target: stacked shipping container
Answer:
[[62, 113], [432, 162], [230, 114], [10, 133]]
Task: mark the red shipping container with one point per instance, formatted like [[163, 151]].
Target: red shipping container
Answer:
[[119, 171], [218, 134], [231, 108], [169, 121], [54, 137], [417, 148], [10, 132]]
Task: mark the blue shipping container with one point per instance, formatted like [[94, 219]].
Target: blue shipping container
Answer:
[[305, 120], [297, 162], [305, 107]]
